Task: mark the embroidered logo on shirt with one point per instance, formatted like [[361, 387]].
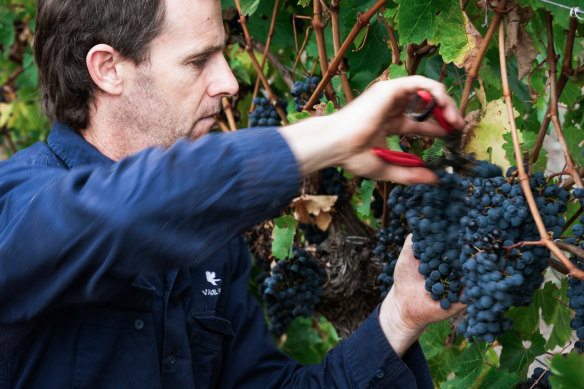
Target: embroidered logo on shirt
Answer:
[[213, 280]]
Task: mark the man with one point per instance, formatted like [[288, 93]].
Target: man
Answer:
[[121, 265]]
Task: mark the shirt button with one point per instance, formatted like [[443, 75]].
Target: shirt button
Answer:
[[139, 324], [172, 360], [379, 373]]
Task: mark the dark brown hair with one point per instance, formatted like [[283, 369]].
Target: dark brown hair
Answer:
[[65, 32]]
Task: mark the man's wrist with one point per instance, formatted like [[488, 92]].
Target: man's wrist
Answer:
[[400, 334]]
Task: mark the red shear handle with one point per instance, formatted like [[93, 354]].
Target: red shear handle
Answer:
[[436, 110], [398, 158]]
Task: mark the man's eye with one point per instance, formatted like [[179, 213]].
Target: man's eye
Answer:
[[198, 63]]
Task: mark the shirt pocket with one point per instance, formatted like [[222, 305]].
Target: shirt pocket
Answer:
[[209, 338], [116, 348]]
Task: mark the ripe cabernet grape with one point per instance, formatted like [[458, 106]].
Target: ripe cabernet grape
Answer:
[[265, 114], [293, 289]]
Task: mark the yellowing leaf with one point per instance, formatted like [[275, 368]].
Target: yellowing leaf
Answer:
[[486, 140]]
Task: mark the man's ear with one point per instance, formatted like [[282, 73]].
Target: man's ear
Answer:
[[106, 68]]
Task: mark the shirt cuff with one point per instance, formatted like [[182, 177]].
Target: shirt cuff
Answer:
[[374, 364]]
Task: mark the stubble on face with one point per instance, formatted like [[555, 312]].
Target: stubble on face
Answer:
[[150, 116]]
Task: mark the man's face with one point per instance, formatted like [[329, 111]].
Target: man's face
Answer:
[[177, 92]]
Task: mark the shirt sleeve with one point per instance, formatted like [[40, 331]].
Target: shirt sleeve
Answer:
[[81, 235], [363, 360]]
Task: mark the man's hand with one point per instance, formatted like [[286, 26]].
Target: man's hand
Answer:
[[408, 308], [345, 138]]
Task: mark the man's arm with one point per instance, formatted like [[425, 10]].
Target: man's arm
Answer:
[[382, 353]]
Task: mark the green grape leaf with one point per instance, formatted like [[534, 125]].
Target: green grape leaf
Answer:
[[329, 108], [561, 331], [468, 367], [432, 340], [527, 141], [366, 192], [284, 231], [295, 116], [397, 71], [487, 139], [549, 302], [568, 372], [302, 341], [393, 143], [498, 379], [525, 319], [417, 19], [456, 45], [515, 356], [304, 3], [6, 30], [575, 140], [248, 7]]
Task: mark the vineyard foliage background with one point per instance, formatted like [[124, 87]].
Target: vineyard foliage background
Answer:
[[441, 39]]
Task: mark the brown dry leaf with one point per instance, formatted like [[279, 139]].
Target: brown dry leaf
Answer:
[[518, 40], [475, 41], [311, 209], [319, 109]]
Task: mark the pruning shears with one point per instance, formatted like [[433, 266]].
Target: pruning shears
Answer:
[[420, 108]]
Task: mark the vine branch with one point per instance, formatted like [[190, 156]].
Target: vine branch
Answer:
[[347, 91], [523, 178], [567, 70], [554, 104], [318, 26], [249, 48], [362, 21], [256, 88], [229, 113], [474, 71]]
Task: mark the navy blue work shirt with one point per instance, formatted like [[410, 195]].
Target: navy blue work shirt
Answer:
[[132, 274]]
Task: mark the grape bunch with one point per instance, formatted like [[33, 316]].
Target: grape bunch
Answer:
[[293, 289], [303, 90], [496, 276], [540, 375], [265, 114], [433, 214], [576, 287], [313, 234], [333, 183], [390, 241]]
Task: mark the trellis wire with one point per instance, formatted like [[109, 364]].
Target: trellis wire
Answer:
[[574, 11]]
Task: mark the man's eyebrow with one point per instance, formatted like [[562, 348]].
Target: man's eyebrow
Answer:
[[205, 53]]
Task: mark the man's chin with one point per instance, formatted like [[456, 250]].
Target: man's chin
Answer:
[[202, 127]]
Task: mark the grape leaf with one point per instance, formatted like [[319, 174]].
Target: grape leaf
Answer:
[[366, 192], [514, 355], [458, 38], [498, 379], [468, 367], [574, 139], [397, 71], [302, 341], [561, 331], [417, 19], [525, 319], [567, 371], [432, 340], [283, 236], [487, 139], [248, 7], [527, 141], [6, 30], [393, 143]]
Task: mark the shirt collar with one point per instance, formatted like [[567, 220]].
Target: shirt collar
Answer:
[[72, 148]]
